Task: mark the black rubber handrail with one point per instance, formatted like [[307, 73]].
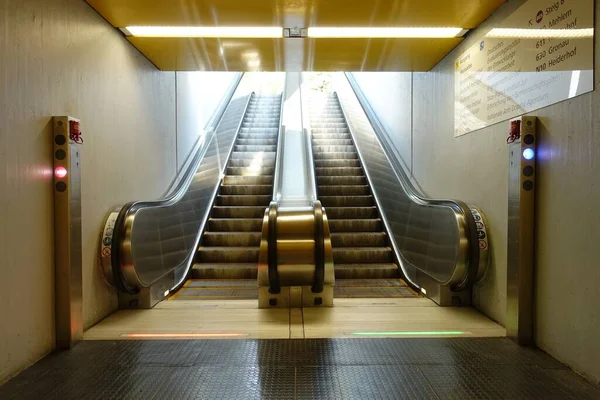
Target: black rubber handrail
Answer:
[[115, 255], [319, 279], [274, 286]]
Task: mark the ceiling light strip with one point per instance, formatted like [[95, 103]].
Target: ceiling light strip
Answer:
[[390, 32], [510, 33], [277, 32], [236, 32]]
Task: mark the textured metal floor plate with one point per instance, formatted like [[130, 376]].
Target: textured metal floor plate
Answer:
[[481, 368], [218, 289], [206, 283], [372, 288], [369, 283], [228, 293], [363, 382], [374, 292]]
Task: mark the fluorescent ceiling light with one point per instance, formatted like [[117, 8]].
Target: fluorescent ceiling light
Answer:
[[509, 33], [392, 32], [206, 31], [277, 32]]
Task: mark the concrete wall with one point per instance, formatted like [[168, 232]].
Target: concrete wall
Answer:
[[474, 168], [59, 57], [198, 96]]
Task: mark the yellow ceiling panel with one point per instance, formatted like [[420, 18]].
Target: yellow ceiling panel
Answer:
[[441, 13], [194, 54], [197, 54], [123, 13], [191, 54], [376, 54], [455, 13]]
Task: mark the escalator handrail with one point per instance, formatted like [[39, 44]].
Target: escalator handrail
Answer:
[[274, 285], [319, 232], [460, 208], [273, 273], [277, 175], [319, 278], [310, 163], [211, 125], [121, 240]]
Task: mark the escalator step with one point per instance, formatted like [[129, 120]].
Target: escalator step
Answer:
[[363, 259], [366, 271], [371, 239], [227, 262], [336, 156], [231, 239], [352, 212], [339, 171], [344, 190], [235, 225], [246, 189], [355, 255], [246, 180], [238, 211], [244, 200], [346, 201], [341, 180], [228, 254], [252, 155], [225, 271], [333, 163]]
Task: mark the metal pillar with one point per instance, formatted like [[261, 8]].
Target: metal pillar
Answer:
[[67, 234], [521, 219]]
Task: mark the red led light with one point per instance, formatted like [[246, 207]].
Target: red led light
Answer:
[[60, 172]]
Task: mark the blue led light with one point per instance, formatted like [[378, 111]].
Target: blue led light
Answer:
[[528, 154]]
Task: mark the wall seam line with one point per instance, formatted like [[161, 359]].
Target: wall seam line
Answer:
[[176, 128], [412, 113]]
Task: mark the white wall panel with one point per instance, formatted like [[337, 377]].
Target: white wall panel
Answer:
[[389, 93], [198, 96], [474, 168], [59, 57]]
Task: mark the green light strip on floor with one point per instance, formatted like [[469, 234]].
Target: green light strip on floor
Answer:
[[440, 333]]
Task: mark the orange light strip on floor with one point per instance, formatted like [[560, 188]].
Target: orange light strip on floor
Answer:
[[181, 335]]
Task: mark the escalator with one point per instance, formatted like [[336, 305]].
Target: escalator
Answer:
[[224, 232], [364, 261], [227, 259]]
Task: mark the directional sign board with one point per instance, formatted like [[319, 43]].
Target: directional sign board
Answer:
[[541, 54]]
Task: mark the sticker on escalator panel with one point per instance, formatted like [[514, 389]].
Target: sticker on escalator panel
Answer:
[[107, 236]]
